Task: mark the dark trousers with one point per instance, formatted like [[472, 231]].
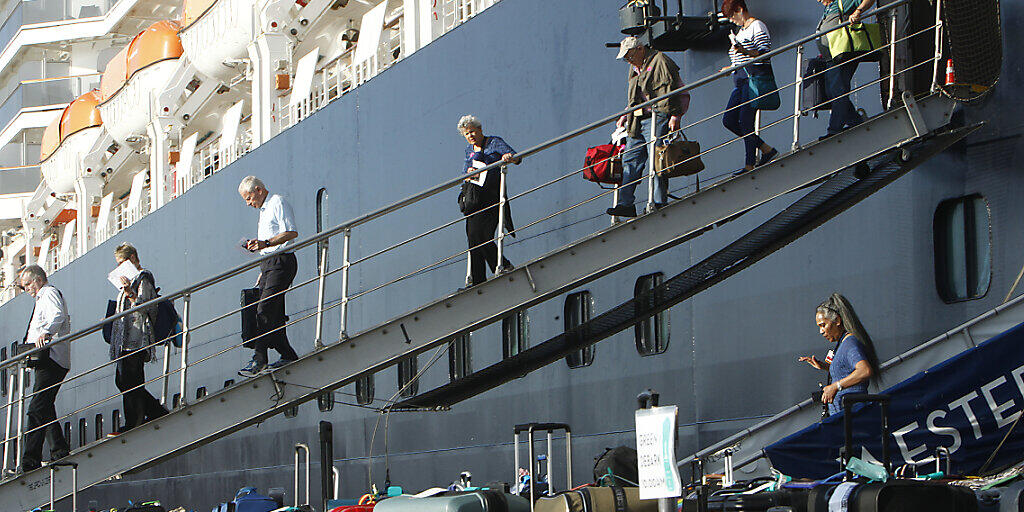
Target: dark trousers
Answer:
[[276, 275], [740, 119], [837, 84], [480, 229], [41, 411], [139, 405]]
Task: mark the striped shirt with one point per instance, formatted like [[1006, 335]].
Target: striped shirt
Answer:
[[754, 36]]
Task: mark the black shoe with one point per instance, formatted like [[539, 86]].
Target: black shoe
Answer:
[[741, 170], [768, 157], [506, 268], [625, 210], [57, 457]]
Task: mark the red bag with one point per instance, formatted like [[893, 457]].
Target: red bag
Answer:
[[603, 164]]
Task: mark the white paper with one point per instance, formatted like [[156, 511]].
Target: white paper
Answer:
[[656, 453], [479, 179], [69, 233], [229, 130], [370, 29], [135, 196], [104, 216], [304, 76], [188, 151], [125, 269]]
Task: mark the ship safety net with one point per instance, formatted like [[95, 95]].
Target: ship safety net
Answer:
[[974, 43]]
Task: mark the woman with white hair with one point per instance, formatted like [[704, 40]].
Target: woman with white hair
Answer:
[[478, 200]]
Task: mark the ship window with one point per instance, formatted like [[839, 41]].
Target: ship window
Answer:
[[578, 308], [408, 384], [963, 248], [460, 357], [322, 219], [67, 431], [515, 334], [176, 401], [99, 426], [364, 390], [228, 383], [291, 412], [200, 392], [651, 333], [325, 401], [81, 432], [115, 420]]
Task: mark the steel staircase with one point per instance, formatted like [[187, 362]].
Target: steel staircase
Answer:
[[244, 404]]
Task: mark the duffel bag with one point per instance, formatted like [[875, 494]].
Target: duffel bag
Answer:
[[597, 499], [678, 157], [475, 501], [603, 164]]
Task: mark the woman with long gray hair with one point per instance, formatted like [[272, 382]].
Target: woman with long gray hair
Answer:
[[853, 363]]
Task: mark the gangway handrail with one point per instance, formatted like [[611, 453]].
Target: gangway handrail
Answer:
[[443, 186]]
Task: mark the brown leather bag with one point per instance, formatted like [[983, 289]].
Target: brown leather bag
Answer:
[[678, 157]]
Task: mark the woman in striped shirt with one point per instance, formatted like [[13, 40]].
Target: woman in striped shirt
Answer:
[[749, 42]]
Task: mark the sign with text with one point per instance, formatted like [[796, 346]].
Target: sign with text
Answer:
[[656, 453]]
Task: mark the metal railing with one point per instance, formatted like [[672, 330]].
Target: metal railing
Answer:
[[422, 261]]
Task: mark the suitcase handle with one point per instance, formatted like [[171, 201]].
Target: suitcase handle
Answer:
[[541, 427], [848, 402]]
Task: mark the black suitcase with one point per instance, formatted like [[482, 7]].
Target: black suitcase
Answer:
[[1002, 499], [249, 297], [732, 499], [815, 95]]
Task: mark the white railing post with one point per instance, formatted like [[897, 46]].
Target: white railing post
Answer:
[[798, 97], [7, 424], [938, 46], [347, 242], [186, 333], [499, 267], [167, 373], [21, 414], [615, 202], [318, 343], [651, 154], [892, 58]]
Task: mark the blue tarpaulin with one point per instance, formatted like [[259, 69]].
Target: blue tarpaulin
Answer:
[[967, 404]]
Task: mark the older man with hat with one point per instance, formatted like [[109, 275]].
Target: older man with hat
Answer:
[[651, 74]]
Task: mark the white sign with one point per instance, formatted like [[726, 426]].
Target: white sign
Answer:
[[656, 453]]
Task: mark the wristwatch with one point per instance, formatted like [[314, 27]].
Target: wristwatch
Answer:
[[839, 387]]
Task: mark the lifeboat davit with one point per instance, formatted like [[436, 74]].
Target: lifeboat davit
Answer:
[[134, 75], [67, 140], [214, 32]]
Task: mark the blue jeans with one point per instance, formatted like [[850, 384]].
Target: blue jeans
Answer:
[[740, 119], [837, 84], [634, 162]]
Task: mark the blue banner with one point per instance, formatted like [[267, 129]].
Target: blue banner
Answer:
[[967, 404]]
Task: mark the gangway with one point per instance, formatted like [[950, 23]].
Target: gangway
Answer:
[[357, 354]]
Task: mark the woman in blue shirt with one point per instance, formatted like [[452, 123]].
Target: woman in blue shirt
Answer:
[[479, 199], [853, 363]]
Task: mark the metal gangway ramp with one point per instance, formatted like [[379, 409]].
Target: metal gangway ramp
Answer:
[[350, 355]]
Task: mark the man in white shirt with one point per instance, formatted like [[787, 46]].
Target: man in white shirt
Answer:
[[50, 320], [276, 228]]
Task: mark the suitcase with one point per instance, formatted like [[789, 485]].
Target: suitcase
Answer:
[[815, 96], [248, 500], [549, 429], [476, 501], [597, 499], [1002, 499], [74, 482], [354, 508], [249, 296]]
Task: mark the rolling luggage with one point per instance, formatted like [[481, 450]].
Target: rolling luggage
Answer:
[[597, 499], [815, 95], [549, 429], [248, 500], [475, 501], [893, 495], [249, 296], [1002, 499]]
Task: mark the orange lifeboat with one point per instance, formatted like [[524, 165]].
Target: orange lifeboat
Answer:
[[51, 139], [115, 75], [191, 10], [157, 43], [81, 114]]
